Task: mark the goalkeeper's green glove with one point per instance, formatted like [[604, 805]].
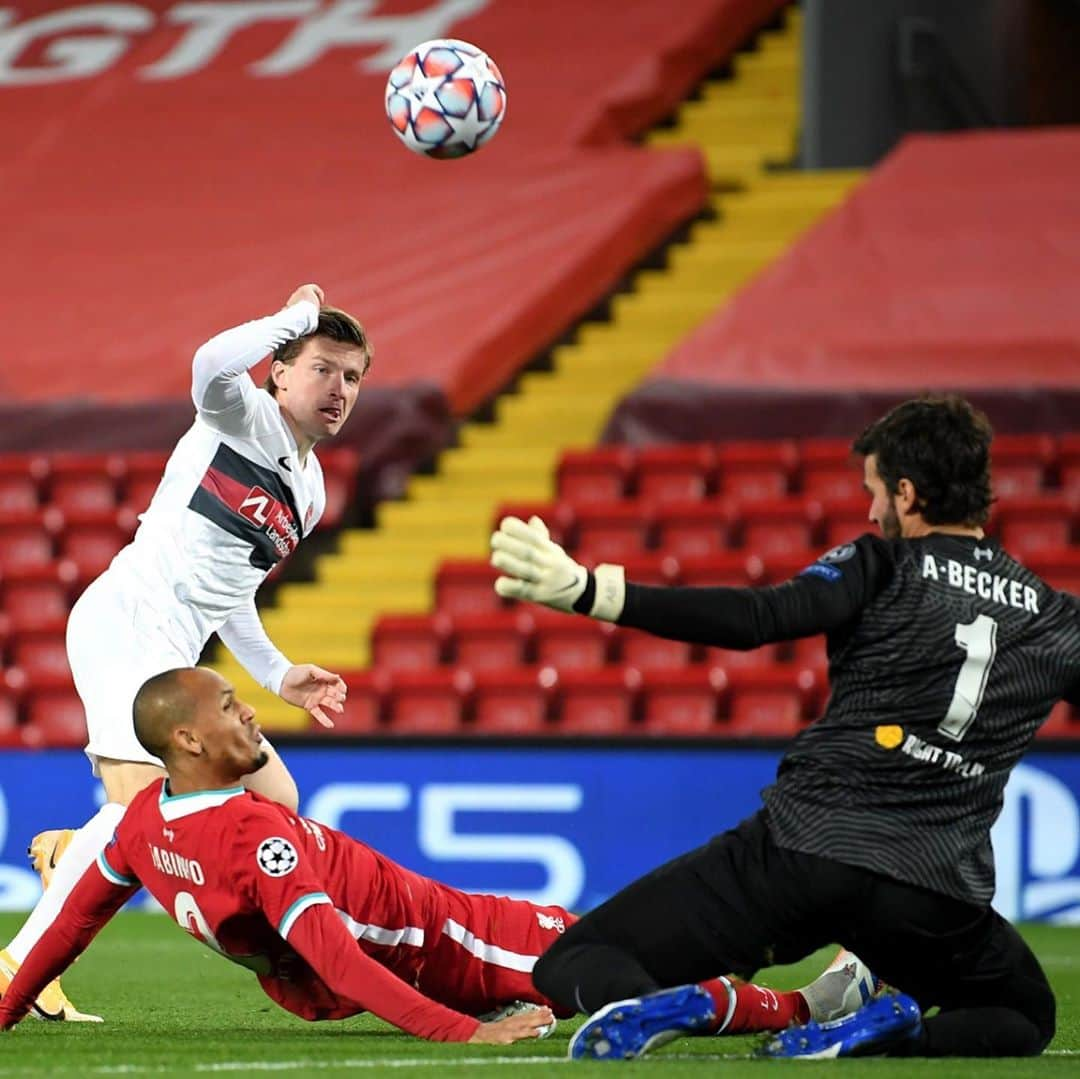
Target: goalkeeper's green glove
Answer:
[[536, 568]]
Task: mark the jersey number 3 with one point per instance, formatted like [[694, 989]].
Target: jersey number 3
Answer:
[[979, 640]]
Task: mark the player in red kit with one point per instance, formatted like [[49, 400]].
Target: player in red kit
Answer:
[[330, 926]]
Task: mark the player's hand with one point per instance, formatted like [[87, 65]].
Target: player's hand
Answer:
[[315, 690], [530, 1024], [536, 568], [312, 293]]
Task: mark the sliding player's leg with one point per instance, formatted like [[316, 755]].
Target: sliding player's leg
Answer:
[[482, 958]]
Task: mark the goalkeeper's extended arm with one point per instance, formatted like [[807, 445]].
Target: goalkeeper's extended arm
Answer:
[[536, 568]]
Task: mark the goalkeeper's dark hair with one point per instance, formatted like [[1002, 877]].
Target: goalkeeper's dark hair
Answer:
[[334, 325], [942, 445], [161, 705]]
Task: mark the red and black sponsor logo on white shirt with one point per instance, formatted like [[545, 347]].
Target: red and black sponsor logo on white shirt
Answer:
[[250, 502]]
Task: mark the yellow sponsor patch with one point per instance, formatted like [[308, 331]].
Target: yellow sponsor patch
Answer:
[[889, 737]]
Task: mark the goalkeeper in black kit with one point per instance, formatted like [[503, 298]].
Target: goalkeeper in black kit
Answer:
[[945, 657]]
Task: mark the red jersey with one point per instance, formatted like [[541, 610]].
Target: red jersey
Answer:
[[330, 926]]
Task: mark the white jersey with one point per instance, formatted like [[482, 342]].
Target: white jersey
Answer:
[[233, 502]]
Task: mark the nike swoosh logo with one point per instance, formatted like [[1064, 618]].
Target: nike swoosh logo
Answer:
[[284, 462], [569, 584]]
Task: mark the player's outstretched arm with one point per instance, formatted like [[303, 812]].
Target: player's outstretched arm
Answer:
[[535, 568], [309, 687], [220, 385], [513, 1028], [363, 984]]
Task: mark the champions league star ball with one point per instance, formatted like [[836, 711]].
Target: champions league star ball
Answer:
[[445, 98]]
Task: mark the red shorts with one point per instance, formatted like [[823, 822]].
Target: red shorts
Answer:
[[484, 955]]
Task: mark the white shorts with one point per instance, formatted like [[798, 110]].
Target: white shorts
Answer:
[[115, 642]]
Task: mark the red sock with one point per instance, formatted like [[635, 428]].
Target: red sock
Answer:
[[742, 1008]]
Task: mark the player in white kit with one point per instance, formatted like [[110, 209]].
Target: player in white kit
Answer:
[[239, 491]]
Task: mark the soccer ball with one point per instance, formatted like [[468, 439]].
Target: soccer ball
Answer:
[[445, 98]]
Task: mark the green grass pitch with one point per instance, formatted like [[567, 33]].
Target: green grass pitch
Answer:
[[173, 1008]]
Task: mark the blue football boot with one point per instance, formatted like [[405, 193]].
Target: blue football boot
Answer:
[[870, 1031], [629, 1028]]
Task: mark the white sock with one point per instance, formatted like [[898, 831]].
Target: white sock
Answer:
[[86, 844]]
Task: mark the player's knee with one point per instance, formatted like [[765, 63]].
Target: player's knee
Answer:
[[1041, 1009], [549, 974]]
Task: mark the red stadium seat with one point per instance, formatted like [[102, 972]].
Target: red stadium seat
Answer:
[[26, 539], [1068, 456], [409, 641], [644, 651], [779, 526], [18, 493], [770, 703], [466, 587], [1028, 525], [512, 701], [1063, 722], [5, 636], [138, 493], [829, 470], [41, 653], [92, 539], [752, 470], [1019, 464], [778, 568], [364, 704], [85, 481], [810, 653], [694, 529], [725, 569], [428, 702], [9, 710], [20, 482], [38, 598], [566, 641], [598, 703], [652, 568], [674, 473], [594, 475], [341, 467], [558, 516], [846, 519], [767, 656], [612, 531], [492, 641], [56, 713], [682, 702], [144, 470], [1058, 568]]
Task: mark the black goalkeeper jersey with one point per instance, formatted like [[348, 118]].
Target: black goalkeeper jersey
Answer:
[[945, 656]]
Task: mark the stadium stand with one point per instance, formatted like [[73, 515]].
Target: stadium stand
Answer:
[[904, 276], [615, 201], [715, 466]]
